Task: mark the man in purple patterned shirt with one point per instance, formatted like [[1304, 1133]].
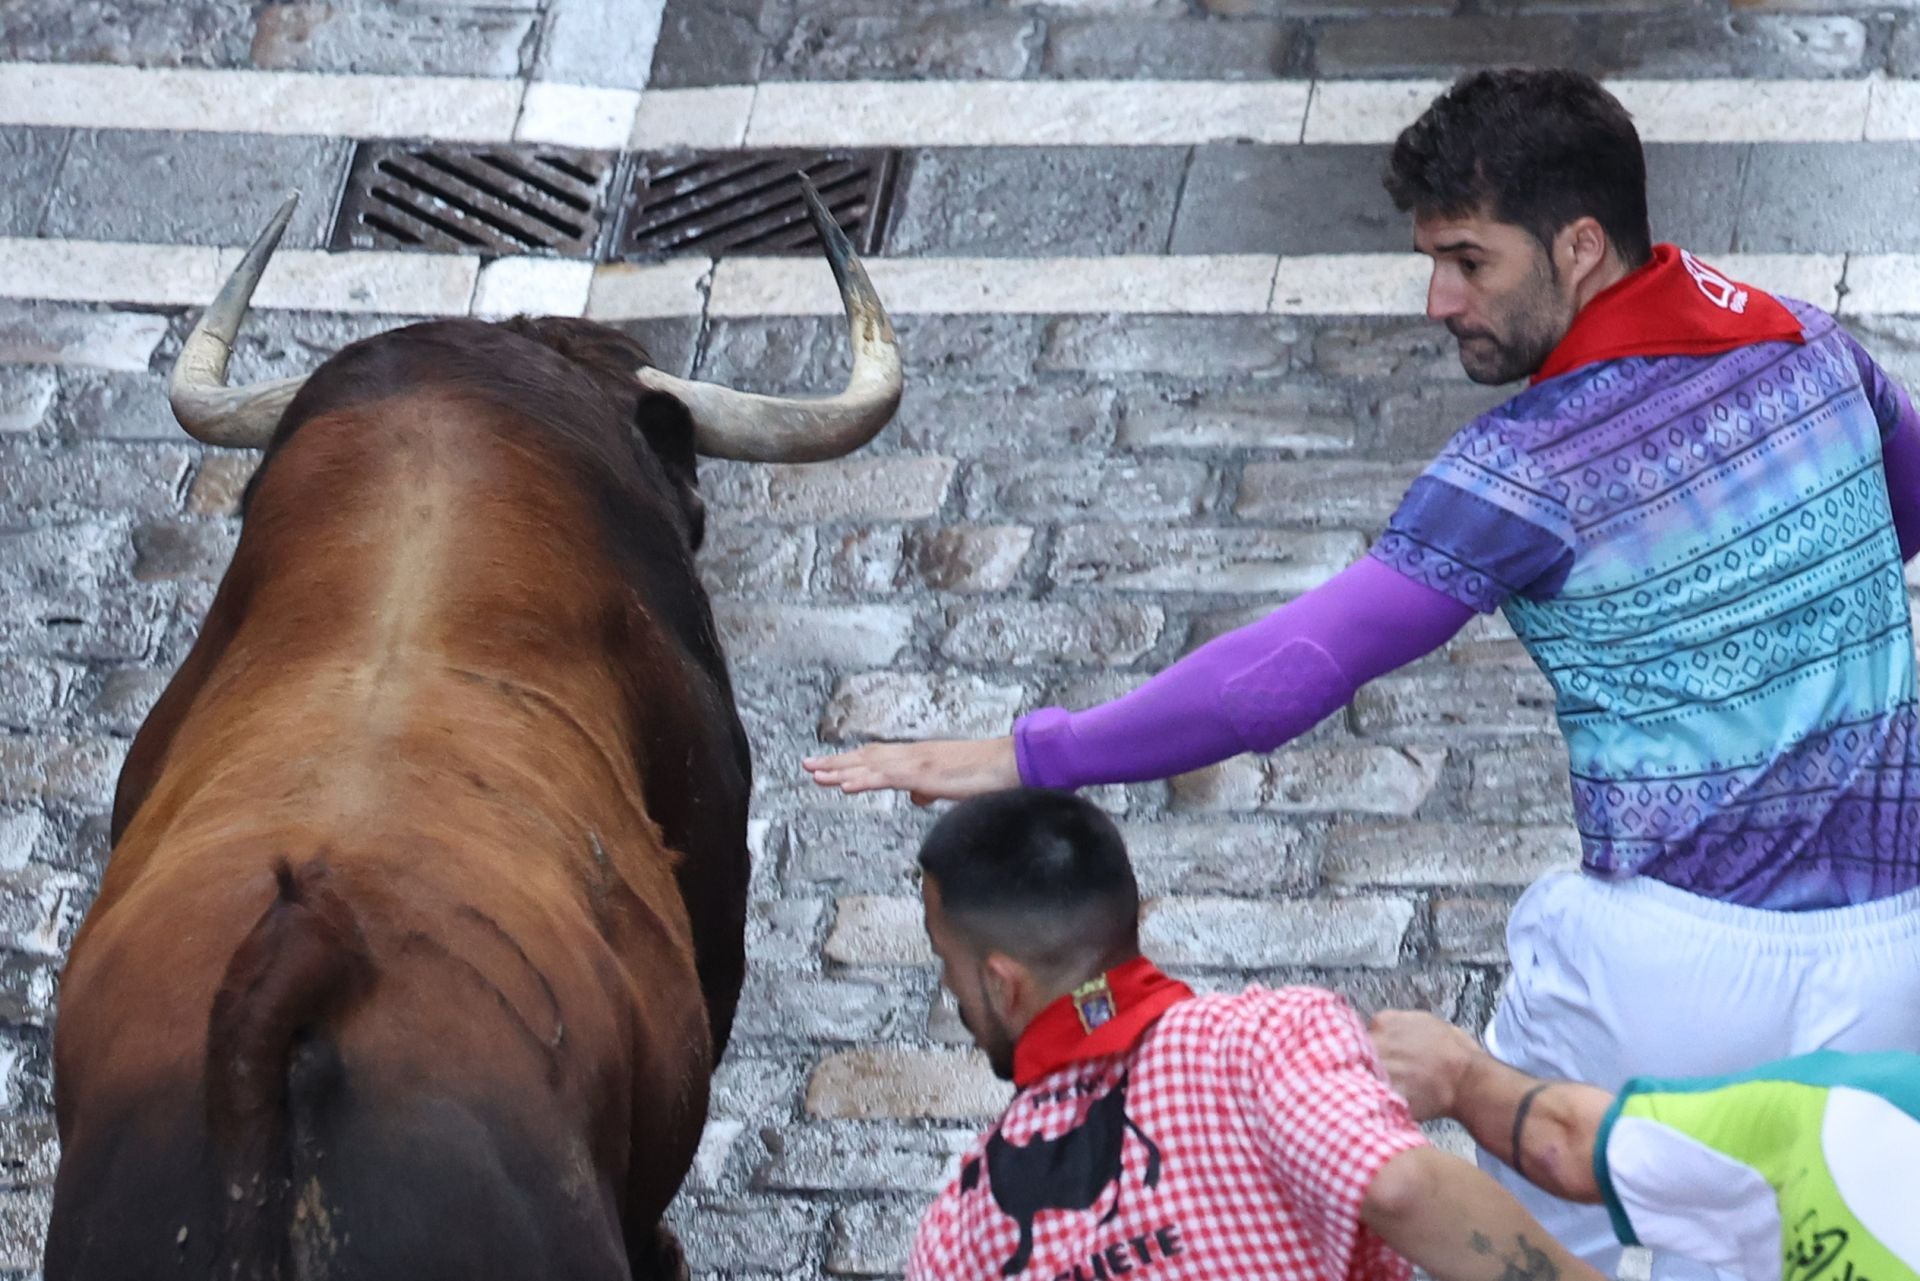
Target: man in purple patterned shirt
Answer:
[[1695, 518]]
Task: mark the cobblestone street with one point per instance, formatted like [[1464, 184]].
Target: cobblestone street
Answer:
[[1166, 369]]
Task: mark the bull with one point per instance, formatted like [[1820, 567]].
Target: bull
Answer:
[[423, 926]]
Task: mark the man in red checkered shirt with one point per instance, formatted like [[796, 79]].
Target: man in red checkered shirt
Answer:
[[1162, 1133]]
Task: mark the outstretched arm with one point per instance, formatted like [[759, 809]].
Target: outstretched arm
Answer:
[[1543, 1129], [1455, 1222], [1250, 690]]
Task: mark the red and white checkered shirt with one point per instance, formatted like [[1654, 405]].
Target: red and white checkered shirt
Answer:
[[1248, 1130]]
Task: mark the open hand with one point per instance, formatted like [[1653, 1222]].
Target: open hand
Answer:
[[939, 770], [1425, 1058]]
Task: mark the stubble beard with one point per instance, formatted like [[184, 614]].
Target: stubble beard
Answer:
[[1534, 322]]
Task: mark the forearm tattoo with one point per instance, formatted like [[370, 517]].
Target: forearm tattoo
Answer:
[[1528, 1262]]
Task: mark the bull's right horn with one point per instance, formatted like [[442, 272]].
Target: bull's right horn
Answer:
[[771, 429], [211, 411]]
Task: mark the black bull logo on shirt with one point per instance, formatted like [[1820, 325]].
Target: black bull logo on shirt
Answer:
[[1067, 1173]]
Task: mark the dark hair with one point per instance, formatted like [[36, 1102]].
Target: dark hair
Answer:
[[1537, 149], [1040, 874]]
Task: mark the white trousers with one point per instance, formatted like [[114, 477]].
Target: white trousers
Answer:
[[1617, 979]]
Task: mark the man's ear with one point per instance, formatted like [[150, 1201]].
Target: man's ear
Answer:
[[1008, 985], [1580, 249]]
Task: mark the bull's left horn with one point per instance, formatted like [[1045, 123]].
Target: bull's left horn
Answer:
[[211, 411], [771, 429]]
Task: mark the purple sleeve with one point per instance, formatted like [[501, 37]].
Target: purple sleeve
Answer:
[[1899, 446], [1250, 690]]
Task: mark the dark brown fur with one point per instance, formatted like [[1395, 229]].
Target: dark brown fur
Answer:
[[423, 927]]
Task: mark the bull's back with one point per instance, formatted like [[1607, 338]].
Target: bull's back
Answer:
[[433, 720]]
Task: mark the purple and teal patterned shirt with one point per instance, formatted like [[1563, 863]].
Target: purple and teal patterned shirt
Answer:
[[1700, 554]]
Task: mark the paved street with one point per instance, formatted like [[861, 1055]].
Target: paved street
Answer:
[[1166, 369]]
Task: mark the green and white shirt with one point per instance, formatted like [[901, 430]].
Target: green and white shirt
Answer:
[[1802, 1169]]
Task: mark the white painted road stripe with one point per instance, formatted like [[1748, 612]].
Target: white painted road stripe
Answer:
[[276, 102], [893, 113], [1027, 113], [408, 284]]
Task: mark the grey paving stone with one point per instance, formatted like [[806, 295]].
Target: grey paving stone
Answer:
[[1414, 425], [969, 558], [710, 42], [981, 422], [27, 395], [670, 341], [29, 158], [754, 1235], [1441, 47], [23, 1219], [1224, 856], [1402, 854], [288, 344], [146, 33], [193, 188], [1287, 200], [1740, 44], [1434, 703], [1133, 558], [1512, 7], [599, 42], [1856, 197], [860, 561], [1694, 193], [1393, 351], [855, 1156], [359, 36], [1021, 634], [872, 1238], [990, 348], [1471, 929], [1185, 346], [72, 482], [67, 334], [1036, 201], [744, 559], [97, 405], [999, 46], [1205, 932], [788, 354], [1326, 8], [1323, 493], [1903, 48], [1128, 48], [1291, 419], [806, 1006], [1047, 489], [81, 621]]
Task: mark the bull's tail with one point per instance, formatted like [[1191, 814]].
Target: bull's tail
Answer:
[[270, 1060]]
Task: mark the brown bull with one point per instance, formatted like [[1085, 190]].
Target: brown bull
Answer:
[[422, 930]]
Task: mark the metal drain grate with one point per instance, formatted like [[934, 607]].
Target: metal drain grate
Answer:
[[748, 202], [485, 200]]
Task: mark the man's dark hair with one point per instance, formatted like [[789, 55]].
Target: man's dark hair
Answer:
[[1040, 875], [1537, 149]]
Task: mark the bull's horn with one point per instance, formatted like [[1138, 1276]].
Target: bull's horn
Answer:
[[211, 411], [769, 429]]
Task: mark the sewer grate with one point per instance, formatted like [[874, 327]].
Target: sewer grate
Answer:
[[747, 202], [473, 199]]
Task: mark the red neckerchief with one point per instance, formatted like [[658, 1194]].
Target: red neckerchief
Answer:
[[1675, 305], [1106, 1016]]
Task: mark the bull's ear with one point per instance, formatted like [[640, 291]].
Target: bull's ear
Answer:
[[667, 429]]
